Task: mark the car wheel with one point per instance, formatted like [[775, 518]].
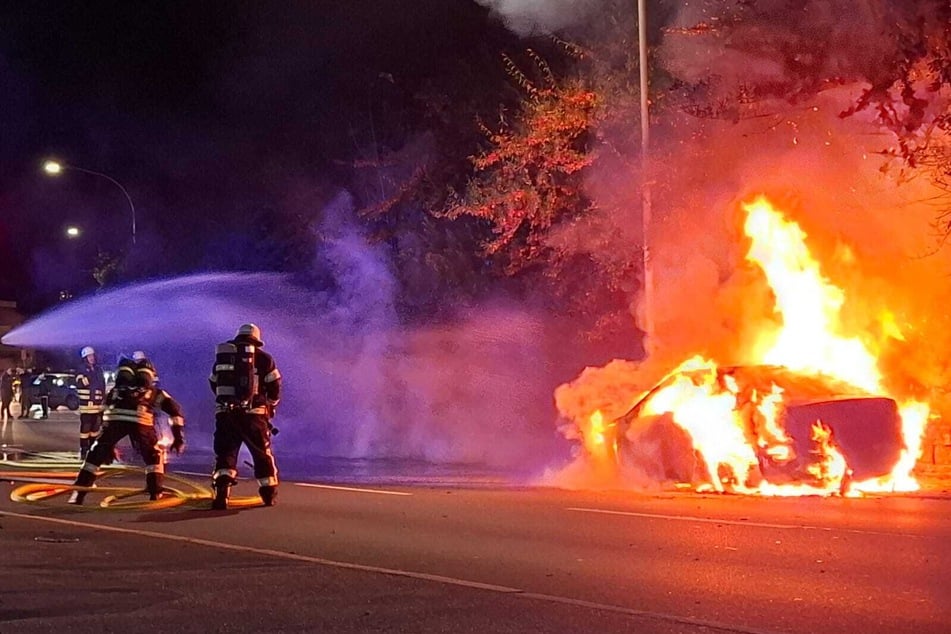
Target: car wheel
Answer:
[[72, 402]]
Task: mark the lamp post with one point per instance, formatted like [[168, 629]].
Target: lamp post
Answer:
[[647, 300], [54, 168]]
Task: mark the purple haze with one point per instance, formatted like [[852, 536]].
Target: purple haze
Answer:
[[357, 385]]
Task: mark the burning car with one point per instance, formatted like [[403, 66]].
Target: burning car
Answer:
[[759, 428], [810, 414]]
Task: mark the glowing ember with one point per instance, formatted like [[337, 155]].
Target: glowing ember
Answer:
[[736, 418]]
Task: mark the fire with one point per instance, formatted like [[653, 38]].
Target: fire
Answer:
[[708, 412], [808, 303], [830, 467], [809, 340], [598, 442], [738, 428]]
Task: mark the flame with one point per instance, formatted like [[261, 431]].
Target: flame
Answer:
[[707, 411], [890, 327], [808, 303], [596, 439], [737, 431], [830, 467]]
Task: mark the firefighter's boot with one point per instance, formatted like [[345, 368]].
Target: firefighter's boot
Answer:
[[153, 484], [83, 479], [268, 495], [222, 487]]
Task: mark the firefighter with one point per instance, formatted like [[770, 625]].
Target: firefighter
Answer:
[[247, 388], [6, 393], [91, 390], [26, 393], [130, 410], [145, 372]]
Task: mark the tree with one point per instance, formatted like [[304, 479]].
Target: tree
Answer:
[[527, 198], [530, 177], [107, 268], [900, 51]]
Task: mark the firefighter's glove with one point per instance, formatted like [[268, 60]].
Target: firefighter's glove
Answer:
[[178, 444]]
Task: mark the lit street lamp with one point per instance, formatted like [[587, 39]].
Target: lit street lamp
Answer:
[[53, 168], [72, 232]]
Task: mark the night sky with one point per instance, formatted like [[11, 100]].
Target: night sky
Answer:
[[208, 113]]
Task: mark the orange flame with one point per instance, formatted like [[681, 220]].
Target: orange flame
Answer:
[[809, 304], [732, 428]]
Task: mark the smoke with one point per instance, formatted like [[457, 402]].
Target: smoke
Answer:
[[527, 17], [475, 389], [868, 223]]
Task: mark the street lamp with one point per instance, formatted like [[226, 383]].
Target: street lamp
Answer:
[[648, 299], [54, 168], [72, 232]]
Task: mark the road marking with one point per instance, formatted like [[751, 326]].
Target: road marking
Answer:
[[645, 614], [338, 488], [318, 486], [422, 576], [708, 520], [269, 552]]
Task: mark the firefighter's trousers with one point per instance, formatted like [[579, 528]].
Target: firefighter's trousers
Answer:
[[144, 438], [235, 427], [89, 426]]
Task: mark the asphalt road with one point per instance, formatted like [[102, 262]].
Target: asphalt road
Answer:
[[384, 558]]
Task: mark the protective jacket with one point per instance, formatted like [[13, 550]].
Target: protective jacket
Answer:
[[138, 405], [265, 387], [91, 389]]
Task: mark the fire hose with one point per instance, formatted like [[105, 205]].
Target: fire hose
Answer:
[[44, 479]]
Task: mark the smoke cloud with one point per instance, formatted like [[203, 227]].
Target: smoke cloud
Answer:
[[868, 224], [473, 390], [527, 17]]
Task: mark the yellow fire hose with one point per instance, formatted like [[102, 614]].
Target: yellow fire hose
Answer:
[[40, 478]]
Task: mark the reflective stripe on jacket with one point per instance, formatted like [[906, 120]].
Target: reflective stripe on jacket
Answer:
[[138, 406], [91, 389]]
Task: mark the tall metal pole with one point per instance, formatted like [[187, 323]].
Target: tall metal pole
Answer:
[[647, 300]]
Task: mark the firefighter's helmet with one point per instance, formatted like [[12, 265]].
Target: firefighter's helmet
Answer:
[[251, 333], [87, 351]]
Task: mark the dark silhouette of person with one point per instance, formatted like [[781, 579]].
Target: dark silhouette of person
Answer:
[[6, 393]]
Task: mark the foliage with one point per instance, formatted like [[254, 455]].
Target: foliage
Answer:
[[900, 51], [107, 267], [530, 177]]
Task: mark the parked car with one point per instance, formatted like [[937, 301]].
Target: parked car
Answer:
[[59, 386]]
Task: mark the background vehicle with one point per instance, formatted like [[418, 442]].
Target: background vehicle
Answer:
[[60, 387]]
